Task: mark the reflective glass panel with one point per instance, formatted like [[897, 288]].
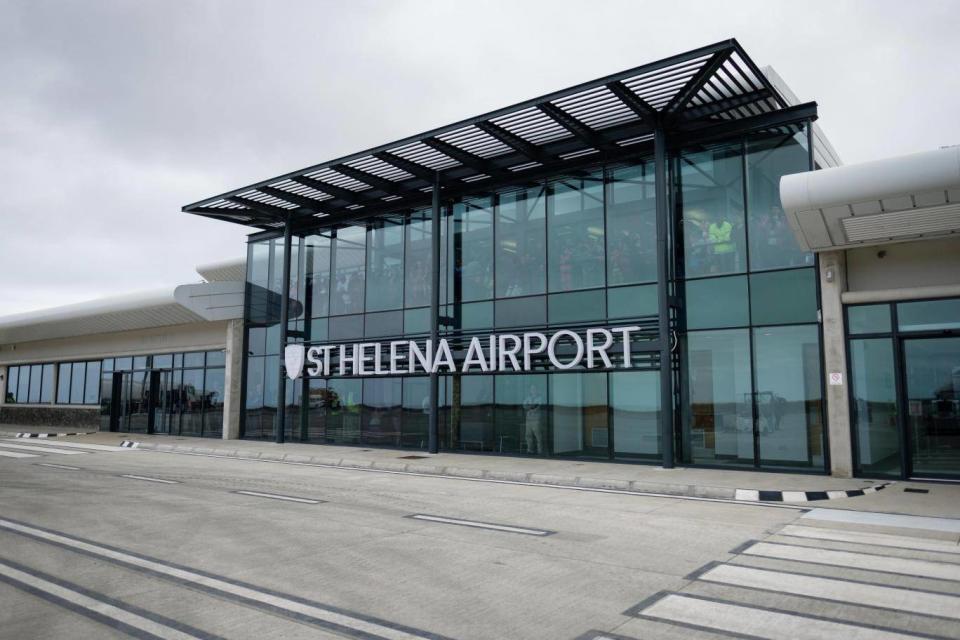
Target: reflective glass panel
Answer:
[[343, 410], [416, 320], [635, 408], [317, 401], [258, 276], [163, 362], [23, 385], [192, 398], [346, 327], [712, 211], [471, 245], [772, 243], [929, 315], [36, 382], [77, 378], [380, 424], [470, 402], [91, 389], [789, 416], [632, 302], [932, 388], [46, 389], [349, 259], [520, 416], [316, 330], [578, 415], [63, 383], [13, 378], [214, 359], [874, 409], [718, 411], [521, 240], [123, 364], [416, 412], [213, 403], [194, 359], [317, 275], [575, 244], [417, 281], [783, 297], [873, 318], [475, 315], [385, 264], [579, 306], [632, 225], [253, 425], [521, 312], [387, 323], [140, 362], [713, 303]]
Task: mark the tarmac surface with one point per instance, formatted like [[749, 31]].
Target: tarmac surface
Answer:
[[103, 541]]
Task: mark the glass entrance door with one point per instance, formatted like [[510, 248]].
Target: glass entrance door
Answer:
[[932, 402]]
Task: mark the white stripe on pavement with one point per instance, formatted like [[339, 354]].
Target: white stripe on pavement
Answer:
[[277, 496], [83, 601], [482, 525], [759, 623], [30, 447], [57, 466], [931, 604], [215, 584], [902, 566], [15, 454], [78, 445], [868, 538], [147, 478], [884, 519]]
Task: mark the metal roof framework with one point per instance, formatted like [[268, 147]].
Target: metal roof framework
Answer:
[[710, 90]]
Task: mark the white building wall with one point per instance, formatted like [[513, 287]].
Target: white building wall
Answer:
[[910, 266]]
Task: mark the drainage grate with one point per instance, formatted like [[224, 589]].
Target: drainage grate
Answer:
[[412, 457], [912, 490]]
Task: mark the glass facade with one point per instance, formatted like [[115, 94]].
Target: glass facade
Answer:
[[568, 251], [76, 383]]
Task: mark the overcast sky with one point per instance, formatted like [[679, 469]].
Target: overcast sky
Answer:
[[113, 115]]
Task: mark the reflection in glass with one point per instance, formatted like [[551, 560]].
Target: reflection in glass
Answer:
[[191, 391], [255, 426], [874, 409], [63, 383], [578, 306], [46, 388], [521, 255], [520, 417], [929, 315], [213, 403], [416, 412], [470, 402], [343, 411], [419, 249], [23, 385], [384, 282], [772, 243], [380, 424], [318, 401], [258, 278], [783, 297], [578, 414], [713, 219], [317, 275], [635, 406], [575, 246], [632, 225], [789, 417], [870, 318], [91, 389], [471, 245], [349, 259], [77, 377], [932, 381], [13, 378], [718, 411], [521, 312], [713, 303], [632, 302]]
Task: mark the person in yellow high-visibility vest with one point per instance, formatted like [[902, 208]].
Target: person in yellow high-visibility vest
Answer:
[[719, 235]]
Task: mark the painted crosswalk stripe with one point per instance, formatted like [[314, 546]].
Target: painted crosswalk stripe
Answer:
[[950, 525], [348, 623], [30, 447], [749, 621], [147, 478], [844, 591], [277, 496], [111, 612], [481, 525], [865, 561], [17, 454], [78, 445], [58, 466], [869, 538]]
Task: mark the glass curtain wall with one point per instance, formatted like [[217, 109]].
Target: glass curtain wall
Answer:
[[751, 384]]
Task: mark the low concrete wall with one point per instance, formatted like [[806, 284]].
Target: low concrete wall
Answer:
[[84, 417]]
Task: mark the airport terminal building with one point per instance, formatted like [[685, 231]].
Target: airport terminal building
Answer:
[[665, 265]]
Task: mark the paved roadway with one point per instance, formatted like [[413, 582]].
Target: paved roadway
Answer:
[[102, 542]]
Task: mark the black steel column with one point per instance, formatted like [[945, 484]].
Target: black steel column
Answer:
[[280, 420], [434, 427], [663, 296]]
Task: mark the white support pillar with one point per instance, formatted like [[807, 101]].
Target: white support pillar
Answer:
[[833, 281], [232, 380]]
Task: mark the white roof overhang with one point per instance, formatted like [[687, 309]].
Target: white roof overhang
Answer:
[[911, 197]]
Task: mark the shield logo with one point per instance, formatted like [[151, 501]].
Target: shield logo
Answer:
[[293, 359]]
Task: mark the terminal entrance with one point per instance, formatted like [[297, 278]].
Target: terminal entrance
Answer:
[[932, 388]]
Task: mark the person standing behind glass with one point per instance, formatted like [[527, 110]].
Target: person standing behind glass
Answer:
[[533, 425]]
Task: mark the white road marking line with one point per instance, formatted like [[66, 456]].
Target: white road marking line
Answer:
[[884, 519], [759, 623], [15, 454], [903, 566], [277, 496], [30, 447], [96, 606], [57, 466], [215, 584], [482, 525], [78, 445], [932, 604], [869, 538], [147, 478]]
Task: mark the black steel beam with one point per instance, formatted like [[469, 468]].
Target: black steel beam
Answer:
[[293, 198], [697, 81], [467, 159], [277, 214], [586, 135], [434, 418], [515, 142], [411, 167], [711, 131], [352, 197], [387, 186], [280, 420], [663, 297], [726, 104], [637, 104]]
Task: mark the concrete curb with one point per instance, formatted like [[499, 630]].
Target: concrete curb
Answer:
[[608, 484]]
